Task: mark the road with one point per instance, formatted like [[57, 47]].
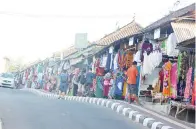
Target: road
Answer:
[[24, 110]]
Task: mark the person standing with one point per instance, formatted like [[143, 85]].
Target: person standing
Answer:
[[63, 84], [89, 81], [82, 81], [132, 74], [75, 81]]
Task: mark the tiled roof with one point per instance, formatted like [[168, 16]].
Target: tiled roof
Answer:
[[128, 30], [184, 30], [169, 17], [71, 50]]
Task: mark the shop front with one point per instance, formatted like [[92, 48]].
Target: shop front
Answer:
[[167, 77]]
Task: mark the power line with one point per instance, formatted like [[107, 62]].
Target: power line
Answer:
[[62, 16]]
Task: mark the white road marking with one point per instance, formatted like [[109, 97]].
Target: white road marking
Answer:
[[1, 124], [162, 117], [146, 120], [118, 108], [113, 105], [166, 127], [155, 124], [138, 118], [124, 110], [107, 104], [131, 113], [90, 101], [102, 102]]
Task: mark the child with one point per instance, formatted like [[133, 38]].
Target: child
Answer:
[[107, 85]]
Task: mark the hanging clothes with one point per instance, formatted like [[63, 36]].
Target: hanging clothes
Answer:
[[171, 45], [115, 61], [167, 79], [184, 66], [151, 61], [128, 59], [108, 62], [119, 84], [146, 47], [93, 65], [138, 79], [161, 77], [193, 102], [137, 57], [179, 64], [174, 76], [181, 87], [125, 90], [103, 61], [188, 84], [111, 52], [121, 59], [40, 68], [146, 64]]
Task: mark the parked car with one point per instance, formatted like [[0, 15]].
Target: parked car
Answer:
[[7, 80]]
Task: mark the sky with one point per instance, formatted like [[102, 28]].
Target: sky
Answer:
[[32, 29]]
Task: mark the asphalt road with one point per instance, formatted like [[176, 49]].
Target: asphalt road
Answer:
[[24, 110]]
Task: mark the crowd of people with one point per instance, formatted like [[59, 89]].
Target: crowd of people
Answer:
[[81, 82]]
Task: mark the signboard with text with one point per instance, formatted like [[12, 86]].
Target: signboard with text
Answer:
[[81, 40]]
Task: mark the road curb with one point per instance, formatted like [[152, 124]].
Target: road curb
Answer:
[[115, 106]]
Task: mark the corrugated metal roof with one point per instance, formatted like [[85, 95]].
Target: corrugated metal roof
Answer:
[[169, 17], [184, 30], [128, 30]]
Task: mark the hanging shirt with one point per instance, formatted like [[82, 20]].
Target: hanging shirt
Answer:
[[116, 62], [128, 59], [167, 79], [146, 64], [103, 61], [108, 62], [188, 84], [137, 57], [171, 45], [146, 47], [121, 59], [174, 76]]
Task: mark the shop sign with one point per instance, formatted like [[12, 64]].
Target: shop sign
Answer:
[[81, 40]]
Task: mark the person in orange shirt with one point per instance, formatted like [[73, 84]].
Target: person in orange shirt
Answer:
[[132, 74]]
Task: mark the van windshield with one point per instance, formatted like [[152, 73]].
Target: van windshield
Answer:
[[7, 75]]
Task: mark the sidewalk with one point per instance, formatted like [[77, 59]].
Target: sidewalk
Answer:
[[143, 115]]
